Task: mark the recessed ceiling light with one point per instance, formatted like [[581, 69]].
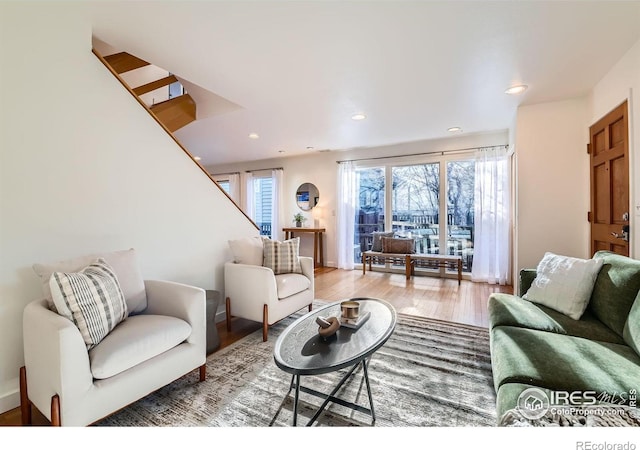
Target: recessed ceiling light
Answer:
[[358, 116], [253, 135], [309, 148], [454, 129], [280, 151], [514, 90], [197, 158]]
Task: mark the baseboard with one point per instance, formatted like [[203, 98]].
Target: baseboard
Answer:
[[221, 316], [10, 399]]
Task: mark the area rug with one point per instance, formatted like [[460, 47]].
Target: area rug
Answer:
[[429, 373]]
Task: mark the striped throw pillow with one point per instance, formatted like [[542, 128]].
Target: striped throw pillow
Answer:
[[282, 257], [91, 299]]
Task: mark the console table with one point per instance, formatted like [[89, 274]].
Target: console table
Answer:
[[317, 242]]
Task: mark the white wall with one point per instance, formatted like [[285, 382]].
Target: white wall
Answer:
[[320, 168], [83, 168], [552, 176], [552, 166], [622, 83]]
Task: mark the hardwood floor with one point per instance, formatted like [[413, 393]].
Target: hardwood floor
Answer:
[[438, 298]]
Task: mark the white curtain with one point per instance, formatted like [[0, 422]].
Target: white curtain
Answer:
[[248, 202], [234, 187], [492, 230], [277, 183], [347, 201]]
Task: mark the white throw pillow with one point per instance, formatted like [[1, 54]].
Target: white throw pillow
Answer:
[[91, 299], [564, 283], [247, 250], [124, 264]]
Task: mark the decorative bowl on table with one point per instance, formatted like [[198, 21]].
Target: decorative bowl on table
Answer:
[[327, 326]]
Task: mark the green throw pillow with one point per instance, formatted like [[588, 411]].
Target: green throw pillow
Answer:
[[615, 289], [632, 328]]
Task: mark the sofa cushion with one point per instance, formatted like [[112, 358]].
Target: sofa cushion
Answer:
[[137, 339], [91, 299], [247, 250], [290, 284], [560, 362], [124, 264], [282, 257], [398, 245], [615, 290], [376, 246], [564, 283], [631, 332], [506, 309]]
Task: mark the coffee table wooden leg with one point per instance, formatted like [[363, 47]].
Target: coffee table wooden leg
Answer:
[[459, 271], [364, 263]]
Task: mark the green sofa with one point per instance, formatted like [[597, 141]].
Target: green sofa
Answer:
[[535, 346]]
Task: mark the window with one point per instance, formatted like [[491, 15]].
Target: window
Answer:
[[460, 210], [369, 209], [416, 205], [176, 89], [225, 185], [419, 193], [262, 198]]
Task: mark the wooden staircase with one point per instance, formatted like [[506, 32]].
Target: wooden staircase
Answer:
[[171, 114], [174, 113]]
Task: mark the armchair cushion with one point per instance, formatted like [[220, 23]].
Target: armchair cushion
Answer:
[[291, 283], [91, 299], [282, 257], [134, 341], [247, 250], [124, 264]]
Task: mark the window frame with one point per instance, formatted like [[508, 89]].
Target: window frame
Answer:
[[442, 158]]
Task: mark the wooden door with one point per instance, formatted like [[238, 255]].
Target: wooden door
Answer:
[[609, 150]]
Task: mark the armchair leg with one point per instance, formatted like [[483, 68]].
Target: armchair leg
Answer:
[[265, 323], [203, 372], [55, 411], [25, 404], [310, 307], [228, 313]]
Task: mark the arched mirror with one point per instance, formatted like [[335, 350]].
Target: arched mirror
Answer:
[[307, 196]]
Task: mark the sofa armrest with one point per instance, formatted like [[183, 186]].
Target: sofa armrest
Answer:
[[306, 262], [248, 281], [524, 282], [185, 302], [56, 357]]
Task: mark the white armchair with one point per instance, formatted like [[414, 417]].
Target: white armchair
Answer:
[[253, 292], [164, 339]]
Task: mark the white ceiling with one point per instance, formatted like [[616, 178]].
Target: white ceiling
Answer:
[[299, 70]]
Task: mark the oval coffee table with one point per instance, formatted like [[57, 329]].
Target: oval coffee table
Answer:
[[300, 350]]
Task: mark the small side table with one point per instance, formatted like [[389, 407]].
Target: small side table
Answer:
[[213, 340], [318, 249]]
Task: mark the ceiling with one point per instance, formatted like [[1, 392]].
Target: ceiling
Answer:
[[298, 70]]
